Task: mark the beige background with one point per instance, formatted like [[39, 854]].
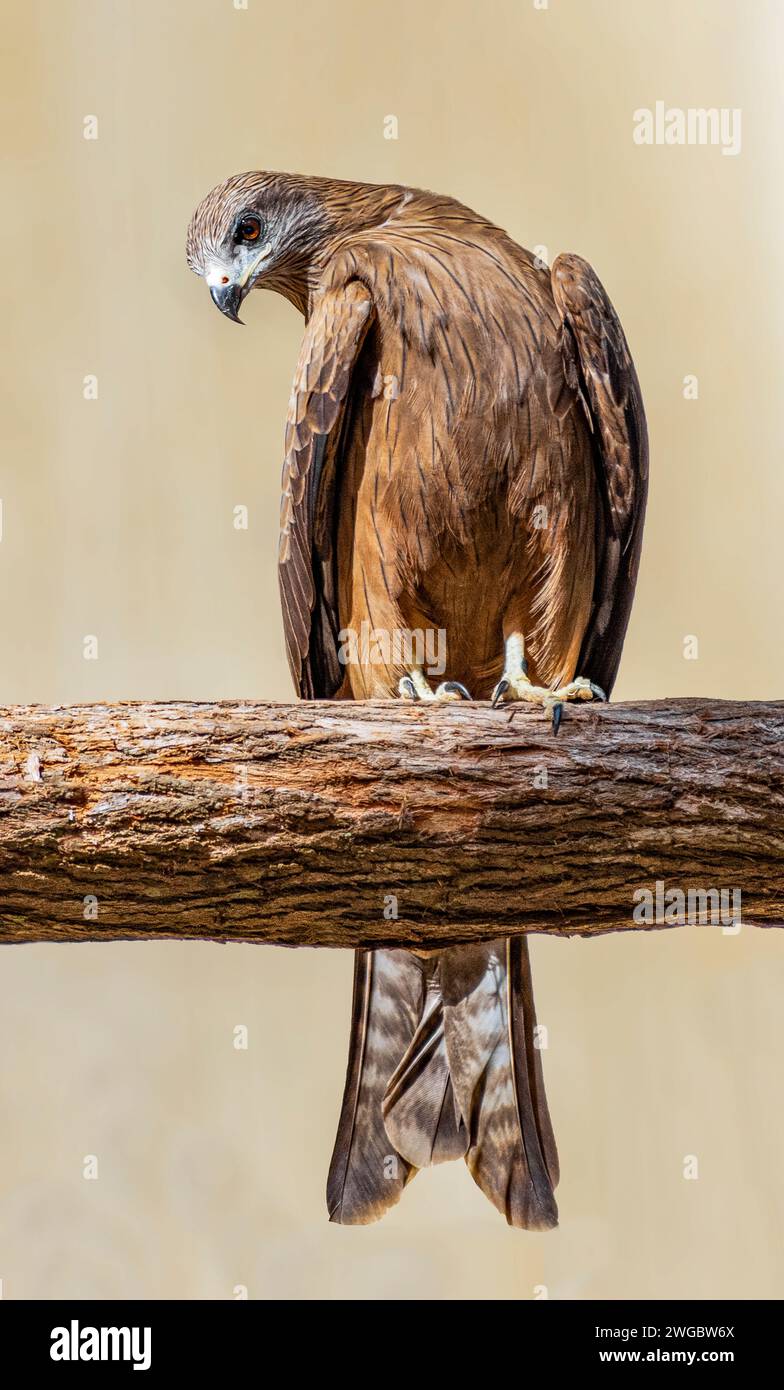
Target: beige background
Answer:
[[118, 523]]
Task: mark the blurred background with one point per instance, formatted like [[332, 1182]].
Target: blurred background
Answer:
[[135, 419]]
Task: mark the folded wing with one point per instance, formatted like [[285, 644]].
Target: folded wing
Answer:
[[599, 367], [333, 339]]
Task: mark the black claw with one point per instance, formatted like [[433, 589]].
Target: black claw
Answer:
[[455, 688], [501, 689], [557, 716]]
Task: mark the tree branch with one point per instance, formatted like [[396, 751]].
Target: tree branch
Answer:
[[302, 824]]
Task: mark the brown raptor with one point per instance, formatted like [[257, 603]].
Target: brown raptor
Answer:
[[465, 456]]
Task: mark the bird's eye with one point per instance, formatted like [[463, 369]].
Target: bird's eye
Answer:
[[248, 229]]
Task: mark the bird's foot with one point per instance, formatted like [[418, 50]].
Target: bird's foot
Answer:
[[414, 686], [517, 686]]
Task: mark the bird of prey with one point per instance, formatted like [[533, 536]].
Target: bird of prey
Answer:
[[465, 452]]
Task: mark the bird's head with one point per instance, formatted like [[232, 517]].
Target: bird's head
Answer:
[[258, 230], [272, 231]]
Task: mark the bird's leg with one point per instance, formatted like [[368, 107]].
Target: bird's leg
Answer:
[[414, 686], [515, 685]]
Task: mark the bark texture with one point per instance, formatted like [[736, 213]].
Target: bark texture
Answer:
[[299, 824]]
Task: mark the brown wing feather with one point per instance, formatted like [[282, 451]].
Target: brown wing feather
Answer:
[[599, 366], [333, 338]]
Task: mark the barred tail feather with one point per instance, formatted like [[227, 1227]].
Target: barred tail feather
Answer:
[[367, 1175], [419, 1108], [442, 1065], [489, 1023]]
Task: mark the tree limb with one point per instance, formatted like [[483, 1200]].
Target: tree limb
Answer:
[[302, 824]]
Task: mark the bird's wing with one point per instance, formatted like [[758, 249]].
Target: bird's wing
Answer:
[[599, 367], [333, 338]]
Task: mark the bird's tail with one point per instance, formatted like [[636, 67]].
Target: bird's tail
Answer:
[[443, 1064]]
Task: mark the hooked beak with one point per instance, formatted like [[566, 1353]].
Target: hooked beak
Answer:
[[229, 295], [228, 299]]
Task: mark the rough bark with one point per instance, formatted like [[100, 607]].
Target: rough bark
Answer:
[[297, 824]]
